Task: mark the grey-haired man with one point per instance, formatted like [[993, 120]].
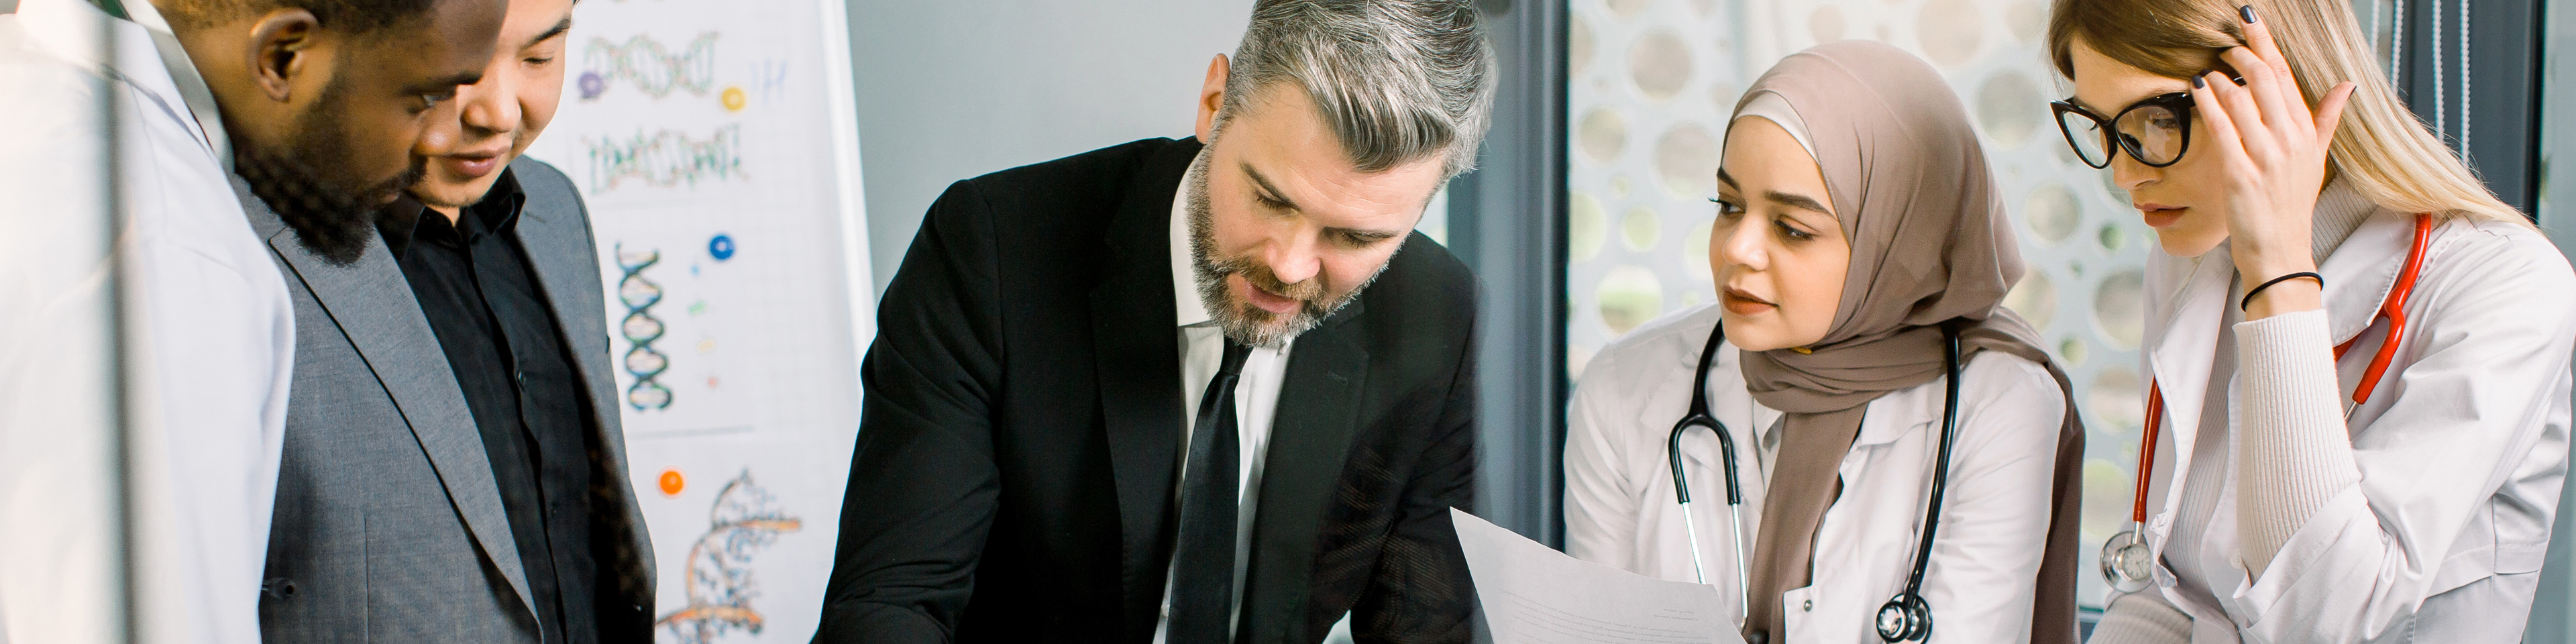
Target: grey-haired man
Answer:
[[1167, 392]]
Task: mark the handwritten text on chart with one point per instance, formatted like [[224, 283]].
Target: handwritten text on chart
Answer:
[[664, 158], [653, 67]]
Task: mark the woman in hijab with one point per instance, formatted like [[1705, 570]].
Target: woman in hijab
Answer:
[[1857, 231]]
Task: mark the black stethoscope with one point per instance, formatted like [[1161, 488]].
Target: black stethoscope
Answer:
[[2127, 562], [1904, 618]]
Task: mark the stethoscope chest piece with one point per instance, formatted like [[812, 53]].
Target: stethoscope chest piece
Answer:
[[1904, 619], [2126, 561]]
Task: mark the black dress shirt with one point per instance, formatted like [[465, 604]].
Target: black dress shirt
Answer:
[[500, 336]]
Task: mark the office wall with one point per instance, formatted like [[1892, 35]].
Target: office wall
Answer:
[[951, 90]]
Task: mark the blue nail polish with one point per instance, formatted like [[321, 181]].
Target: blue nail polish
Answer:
[[2198, 83], [2246, 12]]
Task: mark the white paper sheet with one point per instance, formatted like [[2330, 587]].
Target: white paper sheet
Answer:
[[1533, 594]]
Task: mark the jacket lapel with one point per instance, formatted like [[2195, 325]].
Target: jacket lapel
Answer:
[[1137, 359], [373, 307], [554, 234]]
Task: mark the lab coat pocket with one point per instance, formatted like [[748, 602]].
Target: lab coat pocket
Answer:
[[1797, 606]]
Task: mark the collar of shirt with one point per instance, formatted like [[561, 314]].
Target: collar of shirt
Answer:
[[183, 73], [72, 29], [147, 56], [407, 220], [1185, 275]]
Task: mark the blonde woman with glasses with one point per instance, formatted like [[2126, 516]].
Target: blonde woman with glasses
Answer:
[[2357, 428]]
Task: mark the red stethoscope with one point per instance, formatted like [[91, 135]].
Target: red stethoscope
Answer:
[[2126, 561]]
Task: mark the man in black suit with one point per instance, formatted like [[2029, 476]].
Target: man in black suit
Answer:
[[1166, 392]]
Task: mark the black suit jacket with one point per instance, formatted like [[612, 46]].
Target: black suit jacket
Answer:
[[1013, 479]]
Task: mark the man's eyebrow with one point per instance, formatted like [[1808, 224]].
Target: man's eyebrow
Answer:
[[1367, 236], [1801, 202], [437, 85], [1264, 182], [560, 27]]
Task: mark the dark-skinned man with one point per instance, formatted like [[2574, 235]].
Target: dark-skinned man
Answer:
[[497, 344]]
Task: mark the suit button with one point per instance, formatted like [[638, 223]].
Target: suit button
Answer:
[[1808, 606], [520, 377]]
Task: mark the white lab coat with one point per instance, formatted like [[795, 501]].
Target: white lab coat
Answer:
[[209, 338], [1620, 510], [2462, 449]]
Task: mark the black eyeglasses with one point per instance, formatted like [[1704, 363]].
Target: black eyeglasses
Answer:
[[2154, 131]]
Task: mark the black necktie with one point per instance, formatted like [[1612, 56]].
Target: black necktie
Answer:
[[1203, 555]]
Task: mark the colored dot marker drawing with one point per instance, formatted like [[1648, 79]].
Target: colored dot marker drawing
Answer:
[[591, 85], [671, 482], [734, 99], [721, 247]]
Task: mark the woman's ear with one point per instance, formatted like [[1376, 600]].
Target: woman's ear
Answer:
[[281, 47]]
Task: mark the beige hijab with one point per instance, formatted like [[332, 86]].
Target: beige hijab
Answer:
[[1929, 245]]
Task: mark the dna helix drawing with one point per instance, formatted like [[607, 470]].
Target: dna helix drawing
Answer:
[[744, 520], [641, 329], [655, 69], [666, 158]]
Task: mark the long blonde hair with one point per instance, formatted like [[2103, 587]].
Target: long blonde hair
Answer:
[[2381, 149]]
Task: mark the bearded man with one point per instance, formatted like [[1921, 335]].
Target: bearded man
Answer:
[[1175, 392], [454, 469]]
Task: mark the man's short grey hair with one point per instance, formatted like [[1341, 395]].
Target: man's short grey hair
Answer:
[[1398, 80]]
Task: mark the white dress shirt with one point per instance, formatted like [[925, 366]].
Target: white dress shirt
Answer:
[[1256, 394], [1620, 509], [209, 335]]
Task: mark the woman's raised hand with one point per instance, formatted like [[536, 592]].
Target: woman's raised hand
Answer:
[[2273, 151]]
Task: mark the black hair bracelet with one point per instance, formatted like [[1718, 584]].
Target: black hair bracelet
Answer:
[[2249, 295]]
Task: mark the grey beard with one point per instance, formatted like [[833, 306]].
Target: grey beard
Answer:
[[1246, 325]]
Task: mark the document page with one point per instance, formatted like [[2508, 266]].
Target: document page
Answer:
[[1533, 594]]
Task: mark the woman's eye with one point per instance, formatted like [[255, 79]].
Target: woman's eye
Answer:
[[1727, 208], [541, 61], [1792, 232]]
